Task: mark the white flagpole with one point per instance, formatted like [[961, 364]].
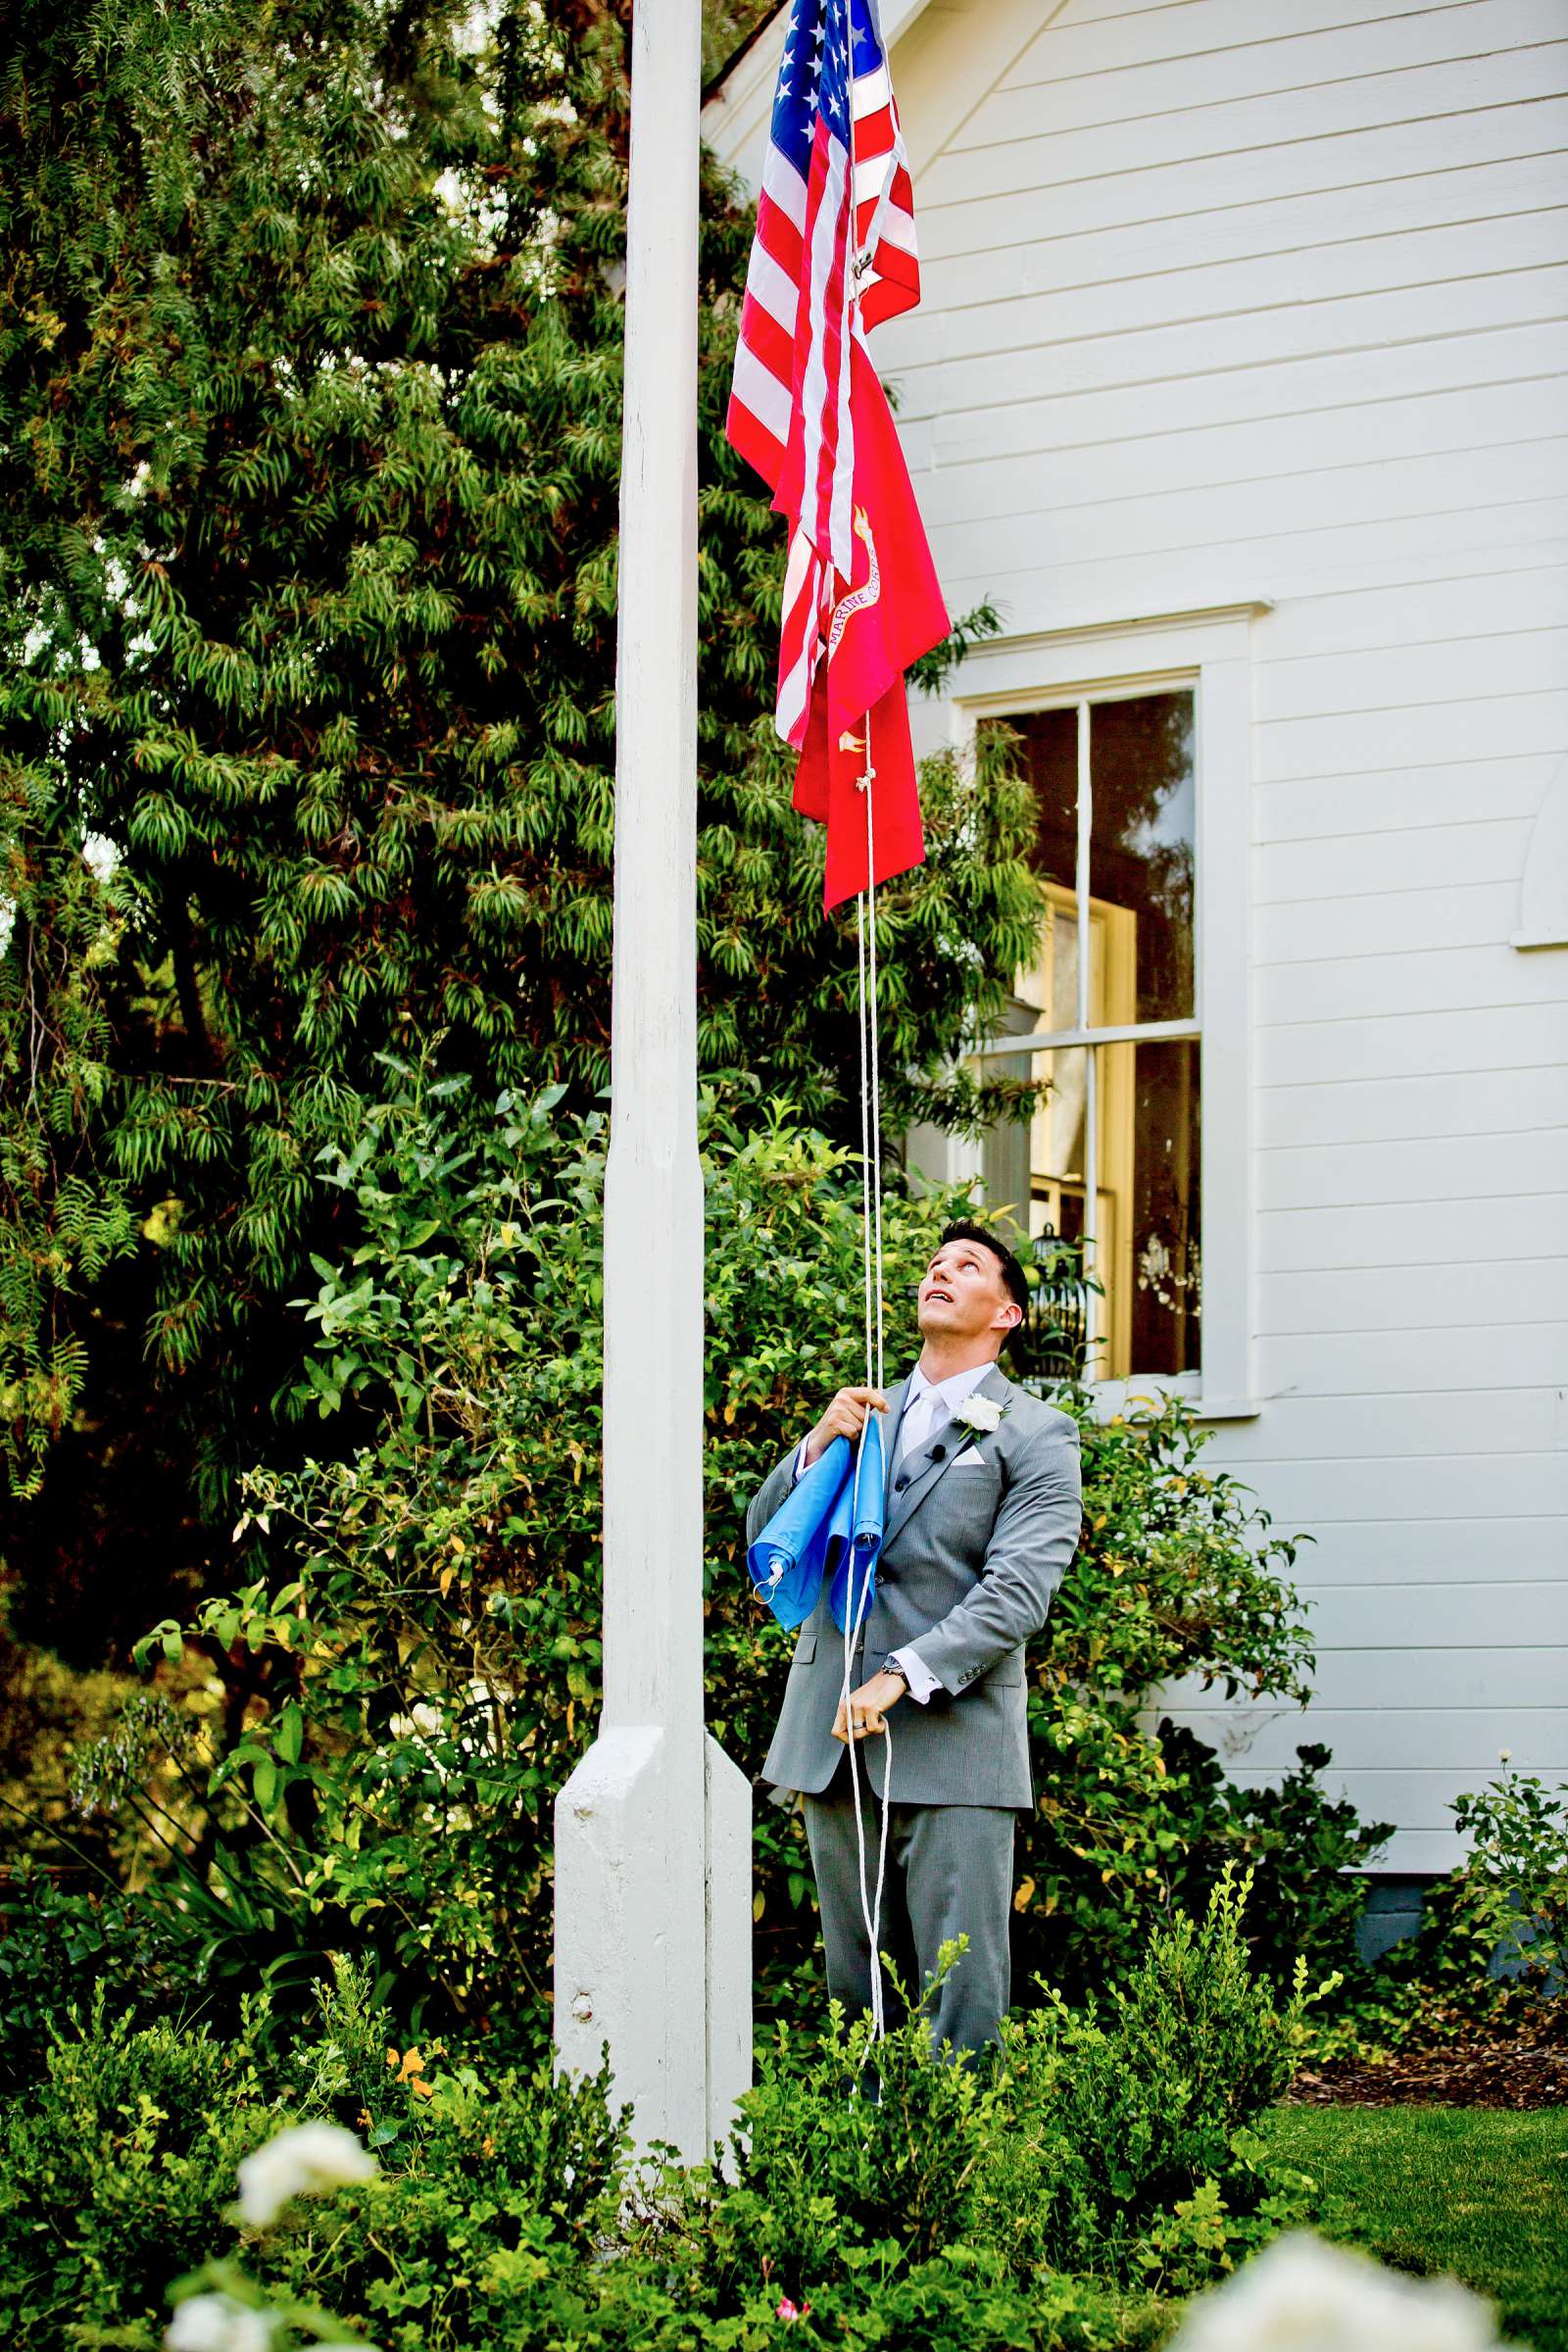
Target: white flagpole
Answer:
[[653, 1830]]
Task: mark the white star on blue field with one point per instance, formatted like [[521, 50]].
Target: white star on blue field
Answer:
[[814, 74]]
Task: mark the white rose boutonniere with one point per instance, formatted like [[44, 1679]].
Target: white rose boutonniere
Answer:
[[980, 1413]]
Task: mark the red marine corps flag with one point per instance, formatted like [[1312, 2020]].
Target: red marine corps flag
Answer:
[[835, 253]]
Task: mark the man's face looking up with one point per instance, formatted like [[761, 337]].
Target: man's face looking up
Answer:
[[963, 1295]]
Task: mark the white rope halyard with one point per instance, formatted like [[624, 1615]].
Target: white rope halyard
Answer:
[[870, 1224], [875, 1366]]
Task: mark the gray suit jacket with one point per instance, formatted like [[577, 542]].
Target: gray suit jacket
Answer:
[[980, 1531]]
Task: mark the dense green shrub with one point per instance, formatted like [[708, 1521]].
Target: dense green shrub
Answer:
[[376, 1719], [857, 2148], [961, 2300], [118, 2171], [1142, 2107], [1492, 1939], [1047, 2198], [60, 1945], [1122, 2147], [1512, 1892], [493, 2189], [1115, 2147], [112, 2170]]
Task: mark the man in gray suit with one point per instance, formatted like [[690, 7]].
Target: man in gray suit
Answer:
[[983, 1519]]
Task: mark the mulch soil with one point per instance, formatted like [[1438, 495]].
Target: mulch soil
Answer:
[[1516, 2063]]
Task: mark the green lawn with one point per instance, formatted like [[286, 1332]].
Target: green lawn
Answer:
[[1468, 2189]]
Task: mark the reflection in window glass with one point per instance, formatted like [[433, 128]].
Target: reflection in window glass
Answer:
[[1129, 1189], [1166, 1224], [1140, 839], [1140, 876], [1049, 754], [1148, 1237]]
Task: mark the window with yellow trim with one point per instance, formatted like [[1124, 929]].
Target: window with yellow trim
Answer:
[[1111, 1156]]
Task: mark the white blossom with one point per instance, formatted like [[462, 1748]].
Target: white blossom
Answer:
[[218, 2323], [301, 2162], [979, 1412], [1302, 2295], [424, 1721]]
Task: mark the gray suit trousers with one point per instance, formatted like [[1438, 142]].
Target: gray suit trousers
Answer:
[[948, 1873]]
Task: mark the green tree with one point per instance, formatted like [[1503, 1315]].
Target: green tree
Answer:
[[310, 381]]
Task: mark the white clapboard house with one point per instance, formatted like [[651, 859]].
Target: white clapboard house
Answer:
[[1237, 386]]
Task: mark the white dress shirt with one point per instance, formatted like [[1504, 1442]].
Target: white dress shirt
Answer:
[[928, 1407]]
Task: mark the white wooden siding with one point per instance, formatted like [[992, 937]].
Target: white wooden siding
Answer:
[[1266, 299]]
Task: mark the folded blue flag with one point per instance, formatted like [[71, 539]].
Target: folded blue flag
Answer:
[[829, 1525], [854, 1537]]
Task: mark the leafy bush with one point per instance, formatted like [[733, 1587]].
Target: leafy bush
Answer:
[[1045, 2197], [1492, 1939], [1513, 1891], [1140, 2153], [1121, 2147], [60, 1945], [120, 2170], [113, 2171], [498, 2193], [378, 1717], [855, 2150], [961, 2300]]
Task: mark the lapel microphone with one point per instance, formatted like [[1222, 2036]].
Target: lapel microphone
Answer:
[[938, 1453]]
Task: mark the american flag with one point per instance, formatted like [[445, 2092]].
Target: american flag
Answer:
[[834, 253]]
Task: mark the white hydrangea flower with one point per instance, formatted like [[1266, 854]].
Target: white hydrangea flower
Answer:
[[1302, 2295], [301, 2162], [218, 2323]]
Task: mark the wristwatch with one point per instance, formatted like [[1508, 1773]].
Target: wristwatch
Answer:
[[892, 1667]]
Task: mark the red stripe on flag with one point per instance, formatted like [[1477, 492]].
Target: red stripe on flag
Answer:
[[778, 235], [886, 299], [761, 333], [750, 438], [873, 134], [901, 201]]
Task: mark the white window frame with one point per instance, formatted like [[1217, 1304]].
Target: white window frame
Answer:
[[1208, 653]]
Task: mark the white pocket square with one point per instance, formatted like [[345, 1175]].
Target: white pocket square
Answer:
[[971, 1461]]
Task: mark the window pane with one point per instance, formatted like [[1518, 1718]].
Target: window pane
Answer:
[[1034, 1169], [1146, 1199], [1134, 963], [1050, 755], [1046, 996], [1037, 1171], [1006, 1149], [1166, 1257], [1141, 851]]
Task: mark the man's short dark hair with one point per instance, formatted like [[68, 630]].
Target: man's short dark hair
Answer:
[[965, 1229]]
